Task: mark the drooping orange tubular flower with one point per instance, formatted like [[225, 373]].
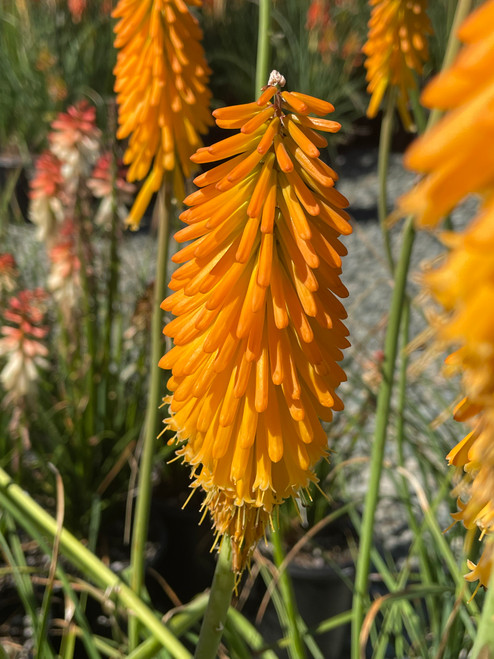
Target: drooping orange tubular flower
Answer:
[[258, 329], [396, 50], [162, 93], [455, 157]]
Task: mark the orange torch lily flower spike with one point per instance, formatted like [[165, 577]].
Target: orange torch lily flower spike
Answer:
[[396, 48], [162, 93], [456, 156], [258, 329]]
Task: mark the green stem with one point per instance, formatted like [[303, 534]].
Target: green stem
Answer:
[[400, 441], [114, 268], [380, 435], [382, 172], [263, 45], [89, 315], [417, 111], [219, 601], [402, 388], [296, 646], [141, 519], [31, 515], [462, 10]]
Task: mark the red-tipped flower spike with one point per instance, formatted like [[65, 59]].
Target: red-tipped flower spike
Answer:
[[21, 343], [74, 140], [162, 93], [258, 329]]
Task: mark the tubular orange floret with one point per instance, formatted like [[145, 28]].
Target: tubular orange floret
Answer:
[[258, 120], [295, 103], [282, 157], [315, 105], [320, 124], [267, 95], [269, 134], [301, 139], [244, 111], [258, 330]]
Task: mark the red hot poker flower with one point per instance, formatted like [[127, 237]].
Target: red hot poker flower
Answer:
[[161, 84], [258, 329]]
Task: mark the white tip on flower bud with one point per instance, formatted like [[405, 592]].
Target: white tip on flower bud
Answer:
[[275, 78]]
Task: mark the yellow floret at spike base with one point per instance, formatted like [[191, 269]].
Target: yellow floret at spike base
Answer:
[[258, 325], [162, 92]]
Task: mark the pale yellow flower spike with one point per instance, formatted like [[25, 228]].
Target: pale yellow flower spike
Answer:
[[162, 93], [456, 159]]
